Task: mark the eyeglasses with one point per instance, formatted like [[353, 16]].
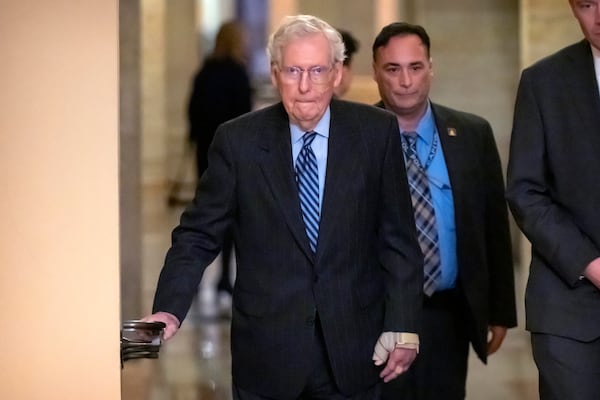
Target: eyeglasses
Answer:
[[317, 74]]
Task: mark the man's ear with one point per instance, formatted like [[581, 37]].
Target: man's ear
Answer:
[[274, 77], [431, 66], [338, 70]]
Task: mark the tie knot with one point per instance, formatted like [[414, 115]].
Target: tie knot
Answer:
[[308, 138], [411, 136]]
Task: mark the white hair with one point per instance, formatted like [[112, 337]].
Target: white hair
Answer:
[[297, 26]]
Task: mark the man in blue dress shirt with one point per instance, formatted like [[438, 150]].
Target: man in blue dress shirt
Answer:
[[473, 299]]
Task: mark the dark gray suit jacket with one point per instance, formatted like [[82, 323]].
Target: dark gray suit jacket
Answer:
[[365, 278], [554, 191], [485, 265]]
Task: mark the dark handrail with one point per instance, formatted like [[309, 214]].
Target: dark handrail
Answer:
[[140, 339]]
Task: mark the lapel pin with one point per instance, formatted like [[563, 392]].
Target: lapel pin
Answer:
[[451, 132]]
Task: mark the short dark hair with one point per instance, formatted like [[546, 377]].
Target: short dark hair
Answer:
[[351, 45], [400, 29]]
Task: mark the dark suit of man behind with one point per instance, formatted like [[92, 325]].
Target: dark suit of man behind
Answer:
[[475, 295], [554, 193], [304, 323]]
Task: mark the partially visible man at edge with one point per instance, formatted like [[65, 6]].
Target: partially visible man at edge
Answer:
[[553, 191], [329, 284], [471, 294]]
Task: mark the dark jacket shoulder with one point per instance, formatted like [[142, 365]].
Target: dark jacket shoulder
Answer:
[[450, 116], [576, 51], [360, 109], [461, 118]]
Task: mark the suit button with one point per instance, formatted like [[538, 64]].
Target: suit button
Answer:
[[310, 321]]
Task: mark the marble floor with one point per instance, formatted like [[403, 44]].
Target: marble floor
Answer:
[[195, 364]]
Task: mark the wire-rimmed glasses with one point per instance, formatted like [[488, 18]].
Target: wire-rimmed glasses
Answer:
[[318, 74]]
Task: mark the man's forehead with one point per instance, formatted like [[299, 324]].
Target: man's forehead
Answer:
[[306, 51], [401, 57], [411, 50]]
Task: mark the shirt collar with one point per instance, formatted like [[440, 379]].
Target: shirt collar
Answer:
[[426, 126], [595, 51], [322, 128], [596, 56]]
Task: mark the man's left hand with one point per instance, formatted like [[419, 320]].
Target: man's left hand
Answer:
[[496, 334], [398, 362]]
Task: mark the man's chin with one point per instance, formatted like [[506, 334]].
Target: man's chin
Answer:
[[307, 115], [305, 121]]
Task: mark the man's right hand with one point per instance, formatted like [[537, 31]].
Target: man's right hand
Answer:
[[168, 319], [592, 272]]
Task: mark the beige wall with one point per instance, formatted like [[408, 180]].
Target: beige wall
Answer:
[[546, 26], [59, 272]]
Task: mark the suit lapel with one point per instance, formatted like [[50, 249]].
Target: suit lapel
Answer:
[[585, 95], [452, 139], [341, 170], [278, 169]]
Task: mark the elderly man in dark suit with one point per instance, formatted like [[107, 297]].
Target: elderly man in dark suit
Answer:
[[554, 193], [327, 256], [458, 196]]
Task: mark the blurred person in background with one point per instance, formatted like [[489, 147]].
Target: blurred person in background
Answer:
[[221, 91], [351, 46]]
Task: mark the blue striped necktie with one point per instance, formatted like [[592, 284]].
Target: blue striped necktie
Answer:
[[307, 177], [424, 213]]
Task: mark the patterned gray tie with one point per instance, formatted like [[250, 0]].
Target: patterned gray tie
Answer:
[[424, 213], [307, 177]]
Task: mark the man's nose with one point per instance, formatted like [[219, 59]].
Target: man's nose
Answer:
[[405, 78], [304, 82]]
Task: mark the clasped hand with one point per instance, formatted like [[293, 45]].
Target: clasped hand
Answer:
[[398, 359]]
